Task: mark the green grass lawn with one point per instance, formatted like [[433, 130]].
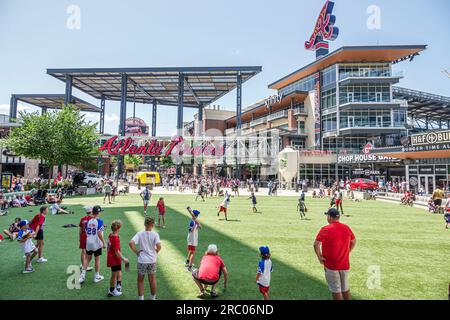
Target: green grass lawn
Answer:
[[410, 246]]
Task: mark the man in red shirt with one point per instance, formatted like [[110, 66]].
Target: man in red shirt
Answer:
[[333, 245], [82, 226], [209, 272], [37, 225]]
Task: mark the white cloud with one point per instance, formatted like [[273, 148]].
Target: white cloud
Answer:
[[4, 108], [111, 117]]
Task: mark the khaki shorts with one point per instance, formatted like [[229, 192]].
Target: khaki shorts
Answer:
[[337, 280], [146, 268]]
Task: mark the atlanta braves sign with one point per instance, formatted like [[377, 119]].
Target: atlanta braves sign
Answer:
[[324, 30]]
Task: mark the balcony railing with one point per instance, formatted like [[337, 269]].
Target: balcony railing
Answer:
[[277, 115], [370, 74], [258, 121], [300, 111], [302, 131]]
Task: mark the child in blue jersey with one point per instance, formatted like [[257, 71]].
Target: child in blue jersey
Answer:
[[25, 236], [264, 271], [254, 202], [94, 244]]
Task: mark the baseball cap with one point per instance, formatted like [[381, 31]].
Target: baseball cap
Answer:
[[212, 248], [96, 209], [332, 212], [22, 223], [264, 250], [196, 212], [88, 209]]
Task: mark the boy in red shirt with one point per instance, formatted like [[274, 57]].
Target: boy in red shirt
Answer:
[[161, 212], [333, 245], [37, 225], [114, 260], [82, 226]]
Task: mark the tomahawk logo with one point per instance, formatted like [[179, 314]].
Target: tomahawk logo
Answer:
[[324, 30], [367, 148]]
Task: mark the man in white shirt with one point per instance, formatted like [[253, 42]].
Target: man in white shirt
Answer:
[[149, 245], [94, 244]]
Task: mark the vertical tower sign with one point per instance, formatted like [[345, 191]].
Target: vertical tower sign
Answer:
[[324, 31]]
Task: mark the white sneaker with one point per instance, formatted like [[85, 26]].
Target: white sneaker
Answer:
[[30, 270], [114, 293], [82, 279], [98, 278], [152, 297], [41, 260]]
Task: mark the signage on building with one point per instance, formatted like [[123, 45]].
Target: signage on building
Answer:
[[367, 148], [428, 147], [144, 147], [317, 113], [413, 181], [440, 137], [363, 158], [324, 31], [366, 172], [276, 98]]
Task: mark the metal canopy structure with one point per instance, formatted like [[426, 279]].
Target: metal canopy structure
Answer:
[[54, 101], [429, 111], [192, 87], [201, 86]]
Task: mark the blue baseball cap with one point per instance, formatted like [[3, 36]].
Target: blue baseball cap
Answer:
[[196, 212], [264, 250], [22, 223]]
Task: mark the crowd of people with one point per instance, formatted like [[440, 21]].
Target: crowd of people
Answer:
[[332, 245]]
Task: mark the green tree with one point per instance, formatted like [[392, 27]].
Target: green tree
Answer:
[[167, 162], [133, 159], [56, 137]]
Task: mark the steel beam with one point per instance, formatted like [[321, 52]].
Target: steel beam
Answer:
[[180, 103], [238, 119], [68, 93], [102, 115], [123, 104], [13, 108], [154, 112]]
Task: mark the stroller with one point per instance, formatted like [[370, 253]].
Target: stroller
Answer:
[[40, 197]]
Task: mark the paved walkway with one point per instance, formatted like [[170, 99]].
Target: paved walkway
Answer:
[[242, 191]]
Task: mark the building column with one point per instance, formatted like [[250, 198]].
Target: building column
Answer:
[[68, 93], [102, 115], [180, 111], [43, 110], [123, 115], [200, 134], [238, 119], [154, 111], [13, 108]]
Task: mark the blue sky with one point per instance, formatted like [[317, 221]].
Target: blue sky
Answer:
[[138, 33]]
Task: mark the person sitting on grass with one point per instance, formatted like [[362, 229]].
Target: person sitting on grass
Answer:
[[264, 271], [209, 272], [25, 236], [56, 209], [13, 229]]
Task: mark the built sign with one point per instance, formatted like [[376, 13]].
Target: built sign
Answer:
[[324, 30], [362, 158]]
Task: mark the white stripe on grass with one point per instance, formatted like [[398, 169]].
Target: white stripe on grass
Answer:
[[170, 264]]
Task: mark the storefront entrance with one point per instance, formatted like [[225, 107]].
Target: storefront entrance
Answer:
[[427, 183]]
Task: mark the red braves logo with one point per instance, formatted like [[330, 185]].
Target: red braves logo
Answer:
[[367, 148], [324, 29]]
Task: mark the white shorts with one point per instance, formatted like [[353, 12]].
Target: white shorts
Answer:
[[146, 202], [337, 280]]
